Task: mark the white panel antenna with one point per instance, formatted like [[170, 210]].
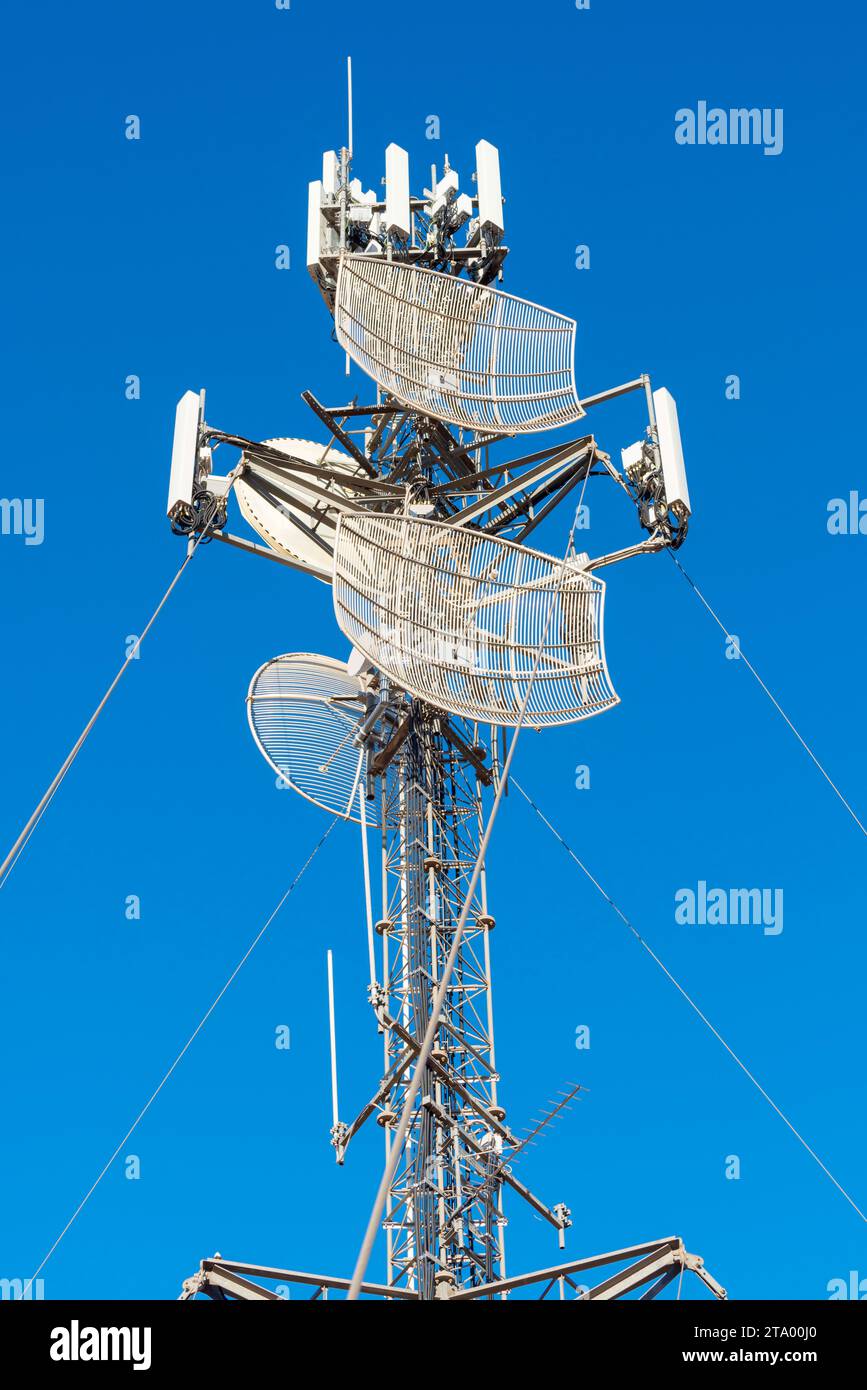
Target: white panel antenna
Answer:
[[330, 174], [322, 237], [671, 449], [314, 227], [488, 187], [397, 211], [185, 450]]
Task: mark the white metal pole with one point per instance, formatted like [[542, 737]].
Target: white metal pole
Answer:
[[349, 89], [347, 167], [334, 1111]]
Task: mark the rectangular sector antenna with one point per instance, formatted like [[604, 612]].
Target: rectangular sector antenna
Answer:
[[330, 172], [314, 227], [488, 186], [397, 219], [670, 448], [185, 449]]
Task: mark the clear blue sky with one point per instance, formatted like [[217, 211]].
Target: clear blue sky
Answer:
[[156, 258]]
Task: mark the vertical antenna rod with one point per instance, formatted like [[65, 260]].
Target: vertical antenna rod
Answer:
[[349, 154], [333, 1039], [349, 93]]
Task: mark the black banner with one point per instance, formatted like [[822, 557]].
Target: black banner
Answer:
[[81, 1339]]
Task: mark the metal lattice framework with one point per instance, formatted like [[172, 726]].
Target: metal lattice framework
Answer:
[[303, 712], [456, 350], [469, 622], [455, 628], [444, 1212]]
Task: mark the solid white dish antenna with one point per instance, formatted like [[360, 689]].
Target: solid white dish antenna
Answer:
[[465, 353], [304, 711], [287, 507], [457, 618]]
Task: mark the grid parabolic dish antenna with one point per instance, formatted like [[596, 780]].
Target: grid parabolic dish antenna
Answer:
[[282, 505], [457, 618], [465, 353], [303, 712]]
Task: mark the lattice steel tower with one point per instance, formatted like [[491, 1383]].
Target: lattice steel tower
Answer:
[[413, 514]]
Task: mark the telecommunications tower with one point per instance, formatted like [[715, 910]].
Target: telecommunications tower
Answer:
[[417, 506]]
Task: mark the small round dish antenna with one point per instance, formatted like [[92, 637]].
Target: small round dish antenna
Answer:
[[286, 506], [304, 711]]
